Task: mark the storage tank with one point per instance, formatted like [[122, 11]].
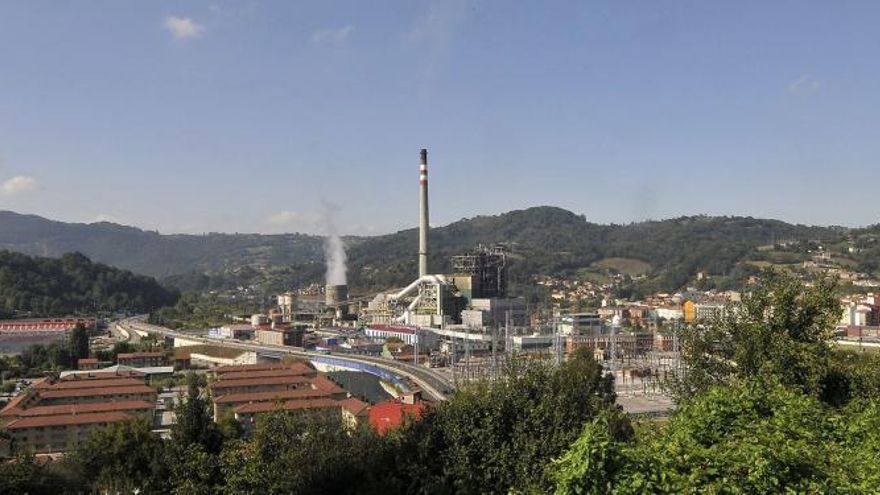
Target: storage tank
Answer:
[[335, 295]]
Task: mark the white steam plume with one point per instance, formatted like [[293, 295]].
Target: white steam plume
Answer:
[[334, 250]]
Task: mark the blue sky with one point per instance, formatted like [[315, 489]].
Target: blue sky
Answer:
[[248, 116]]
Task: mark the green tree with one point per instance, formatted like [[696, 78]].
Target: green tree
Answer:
[[782, 328], [305, 452], [122, 457], [495, 437], [78, 344], [194, 423], [757, 436]]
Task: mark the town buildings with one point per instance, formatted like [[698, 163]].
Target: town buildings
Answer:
[[53, 415]]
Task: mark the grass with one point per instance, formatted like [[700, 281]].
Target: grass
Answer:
[[629, 266]]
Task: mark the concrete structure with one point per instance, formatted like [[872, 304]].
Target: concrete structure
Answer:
[[495, 312], [626, 344], [423, 213], [532, 343], [335, 295], [86, 363], [240, 332], [707, 311], [280, 336], [287, 306], [481, 274], [141, 359], [582, 324], [408, 335]]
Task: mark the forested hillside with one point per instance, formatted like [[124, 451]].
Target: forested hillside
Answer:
[[72, 284], [151, 253], [541, 241]]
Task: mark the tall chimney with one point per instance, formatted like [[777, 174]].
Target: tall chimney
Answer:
[[423, 214]]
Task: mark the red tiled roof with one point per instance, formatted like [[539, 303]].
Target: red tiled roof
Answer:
[[67, 420], [126, 405], [354, 406], [12, 406], [261, 407], [321, 382], [260, 367], [87, 361], [390, 414], [102, 375], [239, 375], [92, 392], [74, 384], [270, 396], [137, 355], [278, 380]]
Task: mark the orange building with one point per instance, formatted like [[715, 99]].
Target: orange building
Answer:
[[689, 308]]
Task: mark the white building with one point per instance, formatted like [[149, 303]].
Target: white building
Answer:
[[408, 335]]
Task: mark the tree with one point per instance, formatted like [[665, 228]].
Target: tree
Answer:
[[122, 457], [78, 344], [495, 437], [782, 328], [194, 424], [756, 436], [304, 452]]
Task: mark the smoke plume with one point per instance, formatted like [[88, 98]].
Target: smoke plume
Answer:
[[334, 250]]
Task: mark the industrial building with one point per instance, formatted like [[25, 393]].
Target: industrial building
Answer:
[[582, 324], [481, 274], [289, 336], [407, 335], [495, 312]]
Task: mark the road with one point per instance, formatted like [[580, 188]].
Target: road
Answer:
[[432, 382]]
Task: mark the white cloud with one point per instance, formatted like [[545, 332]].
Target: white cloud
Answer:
[[283, 218], [336, 36], [804, 85], [20, 184], [182, 28]]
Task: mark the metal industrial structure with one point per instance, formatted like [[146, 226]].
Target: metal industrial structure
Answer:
[[482, 273]]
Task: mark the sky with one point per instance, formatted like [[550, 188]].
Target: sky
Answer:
[[253, 116]]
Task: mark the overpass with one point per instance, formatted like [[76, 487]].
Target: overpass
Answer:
[[434, 384]]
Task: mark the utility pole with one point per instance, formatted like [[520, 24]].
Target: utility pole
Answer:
[[494, 355]]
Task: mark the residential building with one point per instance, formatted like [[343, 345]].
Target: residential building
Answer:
[[141, 359]]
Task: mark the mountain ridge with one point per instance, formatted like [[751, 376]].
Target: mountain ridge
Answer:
[[541, 240]]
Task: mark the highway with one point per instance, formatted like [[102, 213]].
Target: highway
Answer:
[[432, 382]]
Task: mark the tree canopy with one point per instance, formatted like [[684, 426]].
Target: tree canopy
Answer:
[[72, 284]]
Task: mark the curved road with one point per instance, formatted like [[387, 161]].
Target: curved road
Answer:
[[432, 382]]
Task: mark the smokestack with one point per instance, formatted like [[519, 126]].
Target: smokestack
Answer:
[[423, 214]]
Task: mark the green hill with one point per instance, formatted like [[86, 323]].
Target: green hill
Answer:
[[72, 284], [541, 241]]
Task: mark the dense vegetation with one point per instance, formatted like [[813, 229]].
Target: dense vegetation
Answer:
[[767, 406], [541, 241], [72, 285]]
